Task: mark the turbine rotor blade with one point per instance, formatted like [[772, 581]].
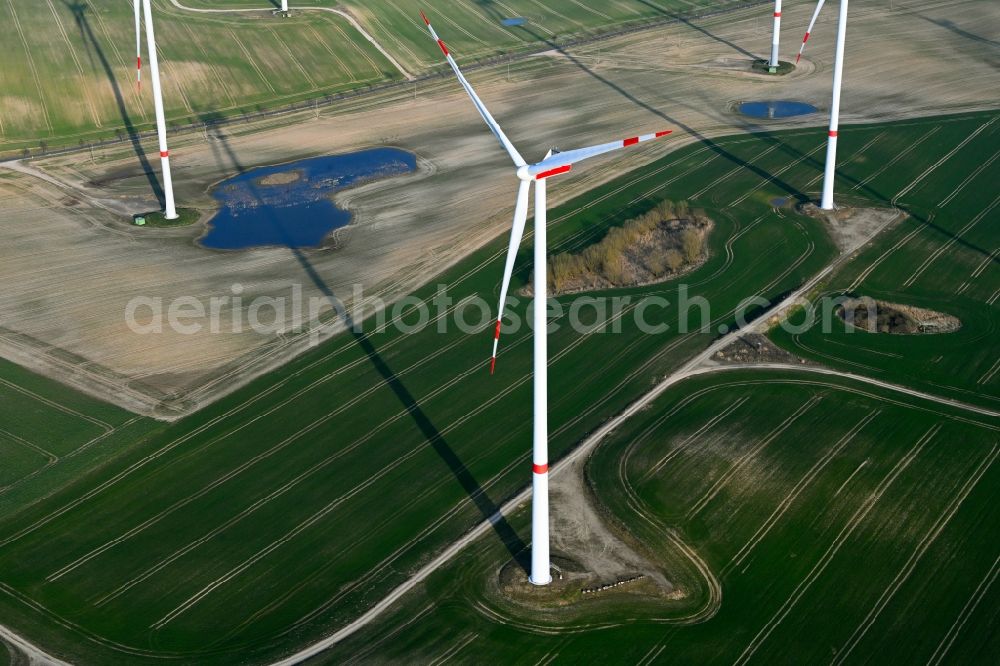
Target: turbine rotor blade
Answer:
[[138, 46], [483, 111], [516, 233], [812, 23], [563, 162]]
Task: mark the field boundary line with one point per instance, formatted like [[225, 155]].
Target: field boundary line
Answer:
[[34, 447], [58, 407], [34, 653]]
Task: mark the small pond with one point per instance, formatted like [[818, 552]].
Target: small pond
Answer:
[[776, 109], [512, 22], [291, 205]]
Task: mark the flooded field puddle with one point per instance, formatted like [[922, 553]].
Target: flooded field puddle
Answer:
[[776, 109], [514, 22], [291, 205]]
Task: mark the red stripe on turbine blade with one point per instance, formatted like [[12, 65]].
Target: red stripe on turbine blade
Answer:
[[540, 469], [424, 17], [444, 49], [797, 58], [806, 38], [630, 142], [553, 172], [496, 335], [164, 153], [493, 364], [662, 134], [833, 133]]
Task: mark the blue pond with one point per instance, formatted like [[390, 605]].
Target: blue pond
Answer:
[[776, 109], [514, 21], [291, 205]]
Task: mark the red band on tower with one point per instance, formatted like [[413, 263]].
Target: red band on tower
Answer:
[[540, 469], [164, 153], [833, 133], [777, 14]]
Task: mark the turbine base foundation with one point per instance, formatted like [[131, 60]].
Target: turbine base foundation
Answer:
[[540, 583]]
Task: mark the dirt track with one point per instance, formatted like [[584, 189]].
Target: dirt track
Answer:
[[674, 77]]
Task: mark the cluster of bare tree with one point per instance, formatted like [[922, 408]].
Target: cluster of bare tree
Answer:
[[652, 246]]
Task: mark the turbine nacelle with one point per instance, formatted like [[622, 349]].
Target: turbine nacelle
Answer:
[[541, 171]]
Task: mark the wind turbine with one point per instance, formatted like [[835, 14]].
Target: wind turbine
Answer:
[[170, 212], [826, 203], [776, 38], [554, 164]]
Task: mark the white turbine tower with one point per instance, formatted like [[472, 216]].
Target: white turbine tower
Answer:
[[830, 172], [553, 165], [284, 5], [161, 124], [776, 38]]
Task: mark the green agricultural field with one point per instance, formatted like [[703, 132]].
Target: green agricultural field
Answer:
[[945, 257], [846, 526], [69, 69], [475, 28], [289, 507], [50, 433]]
